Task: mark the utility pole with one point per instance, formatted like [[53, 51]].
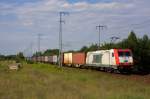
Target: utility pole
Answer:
[[31, 46], [39, 46], [60, 36], [28, 51], [39, 42], [99, 27]]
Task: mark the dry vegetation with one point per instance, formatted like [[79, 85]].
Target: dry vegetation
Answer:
[[43, 81]]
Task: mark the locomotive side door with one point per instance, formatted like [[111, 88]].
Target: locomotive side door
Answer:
[[112, 58]]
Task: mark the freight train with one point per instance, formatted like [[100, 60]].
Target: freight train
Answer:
[[108, 60], [53, 59]]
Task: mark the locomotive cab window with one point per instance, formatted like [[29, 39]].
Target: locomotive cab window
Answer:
[[112, 54], [127, 54], [122, 54]]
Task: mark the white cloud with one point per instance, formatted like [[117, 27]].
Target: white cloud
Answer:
[[43, 17]]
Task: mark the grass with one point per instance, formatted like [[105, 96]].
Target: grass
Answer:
[[44, 81]]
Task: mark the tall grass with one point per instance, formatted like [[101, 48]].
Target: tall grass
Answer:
[[44, 81]]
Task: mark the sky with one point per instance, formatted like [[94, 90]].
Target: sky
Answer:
[[22, 20]]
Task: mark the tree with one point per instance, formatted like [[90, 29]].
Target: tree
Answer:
[[93, 47], [2, 57], [51, 52], [133, 43], [20, 57], [144, 50], [37, 54], [107, 46], [84, 49]]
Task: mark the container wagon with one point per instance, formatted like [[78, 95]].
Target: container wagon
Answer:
[[39, 58], [46, 59], [43, 59], [53, 59]]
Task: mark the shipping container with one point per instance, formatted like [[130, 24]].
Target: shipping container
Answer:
[[50, 59], [78, 58], [67, 58], [46, 59], [74, 58], [53, 59], [39, 58], [42, 58], [34, 59]]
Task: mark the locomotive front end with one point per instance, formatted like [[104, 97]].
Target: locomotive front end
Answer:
[[124, 59]]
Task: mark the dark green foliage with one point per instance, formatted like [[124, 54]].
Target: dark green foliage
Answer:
[[84, 49], [2, 57], [51, 52], [106, 46], [8, 57], [20, 57], [144, 52], [93, 47], [133, 44], [70, 51], [37, 54], [48, 52]]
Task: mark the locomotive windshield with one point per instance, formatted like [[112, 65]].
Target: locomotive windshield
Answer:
[[122, 54]]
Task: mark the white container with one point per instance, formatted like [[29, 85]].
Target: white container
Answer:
[[55, 59], [46, 59]]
